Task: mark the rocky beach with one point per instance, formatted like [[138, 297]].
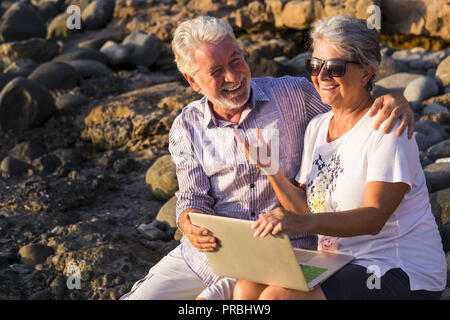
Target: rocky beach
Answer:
[[89, 90]]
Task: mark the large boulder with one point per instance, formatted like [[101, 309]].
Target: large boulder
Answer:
[[144, 49], [429, 133], [12, 167], [82, 54], [35, 253], [27, 151], [20, 22], [396, 82], [90, 68], [24, 103], [56, 75], [440, 204], [167, 214], [420, 89], [419, 17], [97, 14], [438, 176], [117, 54], [161, 178], [38, 49], [443, 72]]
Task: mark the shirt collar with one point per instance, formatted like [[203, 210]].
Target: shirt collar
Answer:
[[256, 94]]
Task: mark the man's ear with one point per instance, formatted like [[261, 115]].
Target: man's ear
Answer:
[[192, 82]]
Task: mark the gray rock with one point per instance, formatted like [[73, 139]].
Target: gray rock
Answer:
[[389, 66], [48, 10], [90, 68], [429, 133], [20, 22], [144, 49], [56, 75], [117, 54], [71, 101], [44, 294], [167, 214], [153, 233], [20, 268], [35, 253], [438, 176], [396, 82], [406, 55], [445, 236], [296, 65], [439, 150], [434, 108], [24, 103], [13, 167], [27, 151], [97, 14], [82, 54], [37, 49], [4, 79], [420, 89], [161, 178], [440, 205], [124, 166], [47, 164], [443, 72]]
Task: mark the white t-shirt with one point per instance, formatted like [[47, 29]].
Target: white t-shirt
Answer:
[[336, 173]]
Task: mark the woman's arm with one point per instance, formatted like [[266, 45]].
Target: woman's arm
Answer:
[[291, 197], [380, 201]]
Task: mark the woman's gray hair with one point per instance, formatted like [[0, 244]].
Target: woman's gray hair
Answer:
[[353, 36], [193, 33]]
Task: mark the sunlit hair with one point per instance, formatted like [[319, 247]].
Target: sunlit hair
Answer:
[[192, 33], [351, 36]]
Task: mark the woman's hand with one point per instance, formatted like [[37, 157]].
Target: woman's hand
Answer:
[[260, 155], [278, 220]]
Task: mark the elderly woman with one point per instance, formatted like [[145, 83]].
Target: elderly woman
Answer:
[[363, 192]]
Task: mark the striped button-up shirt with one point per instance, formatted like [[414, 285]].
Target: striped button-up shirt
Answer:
[[212, 171]]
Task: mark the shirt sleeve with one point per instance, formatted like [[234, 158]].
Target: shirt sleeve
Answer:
[[193, 183], [393, 159]]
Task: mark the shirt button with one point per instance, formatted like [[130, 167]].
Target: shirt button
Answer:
[[252, 185], [253, 213]]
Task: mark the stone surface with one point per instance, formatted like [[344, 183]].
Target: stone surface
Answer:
[[144, 49], [443, 72], [420, 89], [97, 14], [438, 176], [20, 22], [161, 178], [34, 254], [24, 104], [38, 49], [56, 75]]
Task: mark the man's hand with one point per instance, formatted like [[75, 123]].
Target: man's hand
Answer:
[[199, 237], [392, 107]]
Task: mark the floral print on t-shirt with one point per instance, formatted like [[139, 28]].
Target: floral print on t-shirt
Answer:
[[320, 194]]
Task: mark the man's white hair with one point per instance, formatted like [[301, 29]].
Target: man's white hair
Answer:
[[193, 33]]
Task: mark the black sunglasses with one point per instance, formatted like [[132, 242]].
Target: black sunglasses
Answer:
[[334, 67]]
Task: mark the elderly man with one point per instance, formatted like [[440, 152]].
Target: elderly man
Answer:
[[213, 174]]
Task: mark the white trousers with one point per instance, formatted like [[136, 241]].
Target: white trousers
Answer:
[[172, 279]]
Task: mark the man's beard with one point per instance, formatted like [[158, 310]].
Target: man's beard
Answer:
[[233, 102]]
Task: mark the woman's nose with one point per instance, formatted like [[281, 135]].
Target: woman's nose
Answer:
[[323, 74]]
